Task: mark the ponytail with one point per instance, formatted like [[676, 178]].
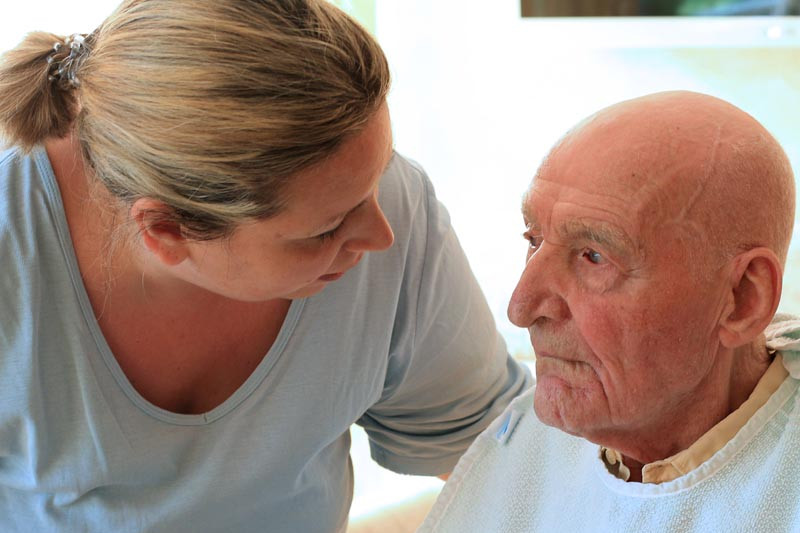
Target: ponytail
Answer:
[[34, 105], [211, 107]]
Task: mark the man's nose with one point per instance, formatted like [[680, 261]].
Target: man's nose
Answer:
[[373, 232], [540, 290]]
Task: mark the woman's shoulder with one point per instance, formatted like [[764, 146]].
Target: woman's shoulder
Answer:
[[8, 153], [31, 231], [9, 167], [25, 179], [29, 201]]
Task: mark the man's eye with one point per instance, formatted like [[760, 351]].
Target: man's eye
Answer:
[[534, 241], [593, 256]]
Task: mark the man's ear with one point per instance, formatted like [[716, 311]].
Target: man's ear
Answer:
[[160, 233], [755, 290]]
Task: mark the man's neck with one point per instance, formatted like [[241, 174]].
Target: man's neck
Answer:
[[750, 364], [747, 365]]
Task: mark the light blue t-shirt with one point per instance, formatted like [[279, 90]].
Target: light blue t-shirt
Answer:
[[403, 344]]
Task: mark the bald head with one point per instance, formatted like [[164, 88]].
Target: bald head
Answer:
[[656, 228], [692, 163]]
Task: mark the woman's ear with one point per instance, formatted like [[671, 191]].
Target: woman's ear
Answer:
[[160, 233], [755, 283]]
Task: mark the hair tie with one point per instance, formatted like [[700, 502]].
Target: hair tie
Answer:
[[63, 68]]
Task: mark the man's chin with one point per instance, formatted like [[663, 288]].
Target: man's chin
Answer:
[[555, 406]]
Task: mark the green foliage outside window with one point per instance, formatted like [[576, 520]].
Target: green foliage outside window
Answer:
[[691, 7], [719, 7], [361, 10]]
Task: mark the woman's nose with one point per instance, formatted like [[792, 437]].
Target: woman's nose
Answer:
[[374, 232]]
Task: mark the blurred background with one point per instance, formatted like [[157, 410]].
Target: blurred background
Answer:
[[482, 89]]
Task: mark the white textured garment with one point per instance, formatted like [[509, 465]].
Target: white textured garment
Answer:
[[521, 475]]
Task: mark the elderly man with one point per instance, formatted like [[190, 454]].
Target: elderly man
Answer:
[[666, 395]]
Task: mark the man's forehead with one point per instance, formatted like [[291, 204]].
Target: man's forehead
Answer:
[[580, 211], [532, 200], [648, 156], [585, 225], [630, 176]]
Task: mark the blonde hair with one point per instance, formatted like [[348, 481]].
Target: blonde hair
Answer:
[[209, 106]]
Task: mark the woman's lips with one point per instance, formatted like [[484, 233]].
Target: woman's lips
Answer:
[[337, 275], [331, 277]]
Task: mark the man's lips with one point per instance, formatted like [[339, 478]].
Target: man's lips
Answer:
[[551, 355], [544, 354]]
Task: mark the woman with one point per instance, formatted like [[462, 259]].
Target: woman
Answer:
[[202, 286]]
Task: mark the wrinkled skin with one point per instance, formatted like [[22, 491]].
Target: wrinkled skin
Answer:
[[629, 278]]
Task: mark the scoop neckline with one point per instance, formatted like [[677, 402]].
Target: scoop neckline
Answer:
[[249, 385]]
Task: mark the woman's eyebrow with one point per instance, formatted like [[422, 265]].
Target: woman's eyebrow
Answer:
[[340, 216], [335, 220]]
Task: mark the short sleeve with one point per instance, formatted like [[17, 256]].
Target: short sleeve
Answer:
[[449, 374]]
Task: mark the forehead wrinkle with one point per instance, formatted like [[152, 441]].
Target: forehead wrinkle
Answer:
[[602, 215], [568, 194], [599, 232]]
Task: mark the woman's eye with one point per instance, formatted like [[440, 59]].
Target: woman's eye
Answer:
[[593, 256], [328, 235]]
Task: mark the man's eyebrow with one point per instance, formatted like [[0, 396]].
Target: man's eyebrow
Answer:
[[526, 214], [336, 218], [604, 234]]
